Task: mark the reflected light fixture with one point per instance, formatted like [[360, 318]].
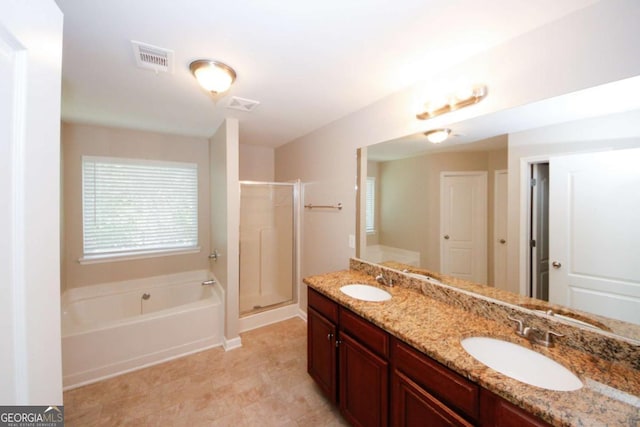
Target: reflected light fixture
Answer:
[[437, 136], [213, 76], [462, 98]]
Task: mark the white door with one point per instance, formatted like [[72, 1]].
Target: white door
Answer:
[[500, 242], [463, 225], [595, 233], [30, 67]]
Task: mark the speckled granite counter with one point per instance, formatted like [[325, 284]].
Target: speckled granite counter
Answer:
[[610, 396]]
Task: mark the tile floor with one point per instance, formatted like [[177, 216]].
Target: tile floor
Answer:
[[263, 383]]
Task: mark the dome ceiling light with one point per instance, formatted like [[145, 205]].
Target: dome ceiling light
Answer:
[[437, 136], [463, 98], [213, 76]]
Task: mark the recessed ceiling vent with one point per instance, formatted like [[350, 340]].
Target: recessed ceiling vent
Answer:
[[153, 57], [243, 104]]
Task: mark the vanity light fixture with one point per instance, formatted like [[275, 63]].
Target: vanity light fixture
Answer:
[[461, 99], [437, 136], [213, 76]]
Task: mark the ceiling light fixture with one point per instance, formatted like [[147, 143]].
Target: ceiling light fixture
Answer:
[[462, 98], [437, 136], [213, 76]]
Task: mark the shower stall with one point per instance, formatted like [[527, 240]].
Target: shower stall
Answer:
[[268, 226]]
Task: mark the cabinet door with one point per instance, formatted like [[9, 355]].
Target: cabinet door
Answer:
[[321, 353], [413, 406], [364, 382]]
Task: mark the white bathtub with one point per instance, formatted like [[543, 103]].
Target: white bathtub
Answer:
[[109, 329]]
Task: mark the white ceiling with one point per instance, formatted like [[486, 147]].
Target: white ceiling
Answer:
[[307, 62]]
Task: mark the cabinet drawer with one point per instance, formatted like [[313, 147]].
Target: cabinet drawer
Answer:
[[454, 390], [323, 305], [497, 412], [367, 333]]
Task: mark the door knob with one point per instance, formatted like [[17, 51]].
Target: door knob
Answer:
[[446, 237], [556, 264]]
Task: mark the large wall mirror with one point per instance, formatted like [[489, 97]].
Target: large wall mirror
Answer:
[[541, 200]]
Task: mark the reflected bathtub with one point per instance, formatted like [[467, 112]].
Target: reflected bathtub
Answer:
[[113, 328]]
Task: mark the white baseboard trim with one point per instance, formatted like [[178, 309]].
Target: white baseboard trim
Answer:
[[302, 314], [231, 344]]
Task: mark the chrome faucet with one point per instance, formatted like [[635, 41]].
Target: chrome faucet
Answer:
[[383, 280], [534, 335], [210, 282]]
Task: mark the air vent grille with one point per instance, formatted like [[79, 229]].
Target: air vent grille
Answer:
[[242, 104], [153, 57]]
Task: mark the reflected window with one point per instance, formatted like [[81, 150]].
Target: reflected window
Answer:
[[370, 220]]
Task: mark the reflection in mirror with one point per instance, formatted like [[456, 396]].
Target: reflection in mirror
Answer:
[[412, 220], [572, 239]]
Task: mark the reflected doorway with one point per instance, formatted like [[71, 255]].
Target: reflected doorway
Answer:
[[539, 231]]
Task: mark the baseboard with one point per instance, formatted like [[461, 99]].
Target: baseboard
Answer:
[[231, 344]]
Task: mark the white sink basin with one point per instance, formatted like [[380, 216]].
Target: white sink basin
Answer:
[[366, 292], [521, 363]]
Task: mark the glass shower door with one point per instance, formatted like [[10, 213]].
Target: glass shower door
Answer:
[[267, 245]]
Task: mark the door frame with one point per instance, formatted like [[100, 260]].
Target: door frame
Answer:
[[524, 260], [494, 237]]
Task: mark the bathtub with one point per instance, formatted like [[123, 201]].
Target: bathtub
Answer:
[[112, 328]]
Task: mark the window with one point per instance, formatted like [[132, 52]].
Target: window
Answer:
[[370, 220], [133, 207]]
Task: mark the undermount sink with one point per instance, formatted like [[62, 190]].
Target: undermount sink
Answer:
[[522, 364], [366, 292]]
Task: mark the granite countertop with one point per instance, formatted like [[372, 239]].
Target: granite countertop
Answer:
[[611, 392]]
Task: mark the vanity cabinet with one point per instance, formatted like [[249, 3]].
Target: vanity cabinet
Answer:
[[425, 392], [360, 349], [378, 380], [322, 340]]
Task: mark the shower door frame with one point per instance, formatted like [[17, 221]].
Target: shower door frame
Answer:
[[295, 185]]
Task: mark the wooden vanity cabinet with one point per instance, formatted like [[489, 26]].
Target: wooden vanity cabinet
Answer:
[[322, 339], [377, 380], [362, 370], [424, 392]]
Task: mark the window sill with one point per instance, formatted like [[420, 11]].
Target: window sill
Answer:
[[129, 256]]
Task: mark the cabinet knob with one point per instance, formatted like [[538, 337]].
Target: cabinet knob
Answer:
[[329, 336], [503, 241], [446, 237]]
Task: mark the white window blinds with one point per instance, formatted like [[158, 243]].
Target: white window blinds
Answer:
[[138, 206], [370, 218]]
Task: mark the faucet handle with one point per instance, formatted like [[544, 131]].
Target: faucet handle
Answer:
[[519, 325], [547, 340]]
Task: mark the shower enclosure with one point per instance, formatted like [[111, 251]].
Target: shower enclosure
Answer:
[[267, 245]]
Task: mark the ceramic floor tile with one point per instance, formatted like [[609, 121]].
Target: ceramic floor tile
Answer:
[[263, 383]]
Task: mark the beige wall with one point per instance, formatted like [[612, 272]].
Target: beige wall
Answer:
[[410, 200], [526, 69], [257, 163], [79, 140]]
